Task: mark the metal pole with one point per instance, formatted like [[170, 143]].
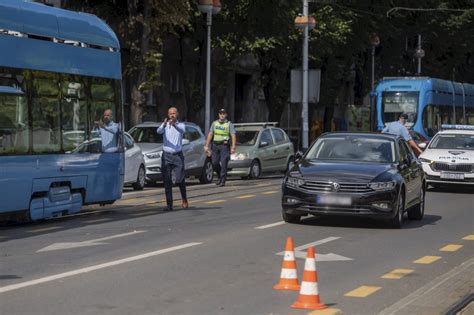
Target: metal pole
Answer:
[[305, 79], [372, 107], [208, 75], [419, 58]]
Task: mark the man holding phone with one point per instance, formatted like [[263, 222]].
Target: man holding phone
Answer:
[[172, 157], [108, 131]]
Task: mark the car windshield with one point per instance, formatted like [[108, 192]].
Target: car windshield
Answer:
[[246, 137], [146, 134], [453, 142], [353, 148]]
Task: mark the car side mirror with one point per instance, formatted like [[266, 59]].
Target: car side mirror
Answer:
[[298, 156], [422, 145], [263, 144], [185, 141]]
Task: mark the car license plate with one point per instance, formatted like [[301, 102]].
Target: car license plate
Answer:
[[333, 200], [446, 175]]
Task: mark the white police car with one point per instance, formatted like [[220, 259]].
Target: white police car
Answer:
[[449, 157]]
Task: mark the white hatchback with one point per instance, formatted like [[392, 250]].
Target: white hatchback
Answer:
[[449, 157], [134, 164]]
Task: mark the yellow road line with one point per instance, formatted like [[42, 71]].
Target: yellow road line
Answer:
[[469, 237], [98, 220], [245, 196], [397, 273], [362, 291], [450, 248], [215, 201], [328, 311], [51, 228], [427, 260], [270, 192]]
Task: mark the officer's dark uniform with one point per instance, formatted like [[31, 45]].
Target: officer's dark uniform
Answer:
[[221, 148]]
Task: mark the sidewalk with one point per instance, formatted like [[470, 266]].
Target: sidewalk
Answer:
[[440, 295]]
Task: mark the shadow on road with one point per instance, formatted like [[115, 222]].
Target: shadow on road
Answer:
[[452, 189], [365, 223]]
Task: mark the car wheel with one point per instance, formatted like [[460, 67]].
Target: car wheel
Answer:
[[255, 170], [419, 210], [207, 173], [397, 220], [140, 183], [290, 218]]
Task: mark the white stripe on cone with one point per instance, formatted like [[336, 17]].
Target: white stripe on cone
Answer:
[[309, 288], [310, 264], [288, 273]]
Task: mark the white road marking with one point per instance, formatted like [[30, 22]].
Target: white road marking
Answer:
[[299, 251], [98, 241], [269, 225], [324, 240], [25, 284]]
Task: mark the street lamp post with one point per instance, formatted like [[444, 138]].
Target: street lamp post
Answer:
[[419, 53], [374, 41], [209, 7], [305, 23]]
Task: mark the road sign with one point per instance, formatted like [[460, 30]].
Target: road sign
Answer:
[[314, 83]]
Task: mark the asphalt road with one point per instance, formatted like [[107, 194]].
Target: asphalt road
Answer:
[[222, 255]]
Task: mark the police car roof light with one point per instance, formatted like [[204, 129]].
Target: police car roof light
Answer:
[[457, 127]]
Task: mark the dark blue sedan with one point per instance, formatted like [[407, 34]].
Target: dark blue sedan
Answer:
[[355, 174]]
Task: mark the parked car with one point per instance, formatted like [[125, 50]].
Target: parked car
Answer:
[[449, 158], [196, 162], [261, 148], [356, 174], [134, 164], [134, 160]]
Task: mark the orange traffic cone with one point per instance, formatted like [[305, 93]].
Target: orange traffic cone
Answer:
[[309, 295], [288, 276]]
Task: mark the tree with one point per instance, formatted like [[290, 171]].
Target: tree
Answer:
[[141, 26]]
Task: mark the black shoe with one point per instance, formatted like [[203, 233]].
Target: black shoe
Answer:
[[222, 184], [219, 182], [168, 209]]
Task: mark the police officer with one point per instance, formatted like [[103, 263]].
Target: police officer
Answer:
[[398, 128], [222, 136]]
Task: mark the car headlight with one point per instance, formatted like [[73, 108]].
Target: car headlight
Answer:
[[423, 160], [240, 156], [381, 186], [154, 155], [295, 182]]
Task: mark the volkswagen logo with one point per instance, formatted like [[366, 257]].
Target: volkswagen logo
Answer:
[[335, 187]]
